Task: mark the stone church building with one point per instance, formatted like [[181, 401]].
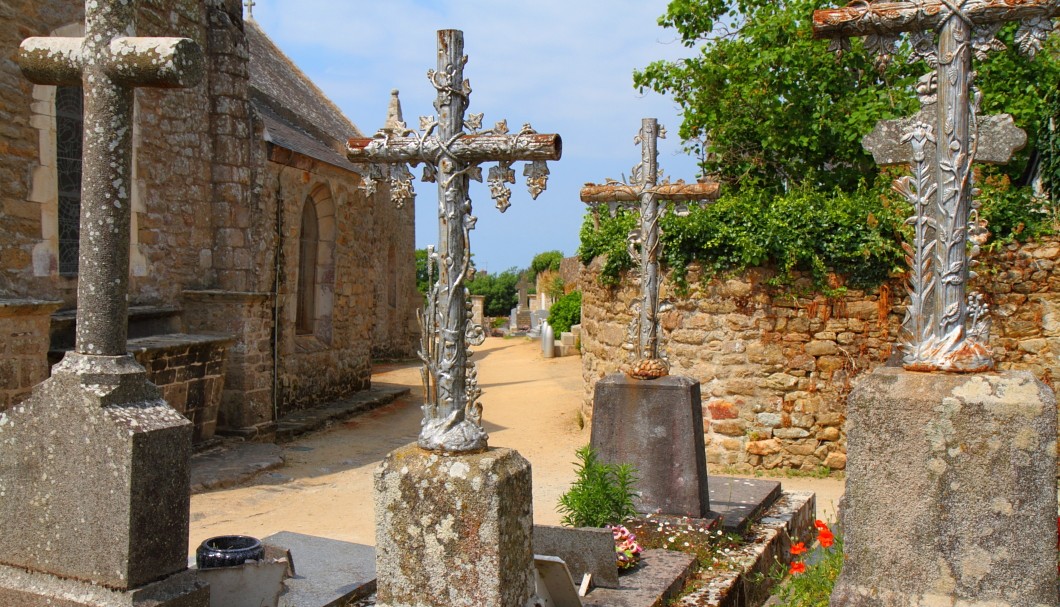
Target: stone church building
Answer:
[[263, 279]]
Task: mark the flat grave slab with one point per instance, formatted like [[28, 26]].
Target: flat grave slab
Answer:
[[328, 573], [660, 576], [741, 501]]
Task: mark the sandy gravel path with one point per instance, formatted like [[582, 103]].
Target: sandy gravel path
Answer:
[[530, 404], [325, 488]]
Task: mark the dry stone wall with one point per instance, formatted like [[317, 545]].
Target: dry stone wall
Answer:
[[776, 367]]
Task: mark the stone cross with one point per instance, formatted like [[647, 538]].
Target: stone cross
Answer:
[[108, 62], [524, 297], [451, 147], [942, 330], [250, 4], [644, 194]]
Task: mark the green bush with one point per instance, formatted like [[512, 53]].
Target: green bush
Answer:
[[855, 234], [499, 290], [566, 312], [601, 495], [549, 260]]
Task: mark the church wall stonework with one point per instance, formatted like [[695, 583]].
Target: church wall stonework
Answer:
[[776, 368], [215, 224]]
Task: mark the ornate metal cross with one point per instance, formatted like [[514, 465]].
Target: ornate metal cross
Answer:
[[644, 193], [943, 329], [108, 62], [451, 156]]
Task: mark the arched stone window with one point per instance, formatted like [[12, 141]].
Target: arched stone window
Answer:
[[315, 280], [308, 243]]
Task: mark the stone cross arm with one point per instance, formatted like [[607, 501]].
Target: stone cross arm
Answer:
[[153, 62], [472, 149], [998, 139], [863, 18], [676, 192]]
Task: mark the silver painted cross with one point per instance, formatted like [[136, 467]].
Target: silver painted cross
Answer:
[[644, 194], [451, 148], [944, 329], [109, 63]]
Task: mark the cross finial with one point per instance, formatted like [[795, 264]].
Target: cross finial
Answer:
[[250, 4]]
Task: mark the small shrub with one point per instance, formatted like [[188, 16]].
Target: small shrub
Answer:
[[601, 495], [566, 312]]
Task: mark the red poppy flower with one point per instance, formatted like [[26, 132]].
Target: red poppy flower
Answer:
[[826, 538], [799, 548], [798, 567], [822, 525]]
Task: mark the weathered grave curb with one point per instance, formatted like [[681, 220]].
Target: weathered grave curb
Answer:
[[750, 583]]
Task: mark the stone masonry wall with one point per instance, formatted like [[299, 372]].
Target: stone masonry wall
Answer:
[[775, 368], [190, 371], [335, 359], [23, 347]]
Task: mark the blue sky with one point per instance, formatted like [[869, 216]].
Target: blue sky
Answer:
[[565, 66]]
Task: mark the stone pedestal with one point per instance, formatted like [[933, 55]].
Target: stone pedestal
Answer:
[[453, 530], [657, 426], [950, 492], [94, 487]]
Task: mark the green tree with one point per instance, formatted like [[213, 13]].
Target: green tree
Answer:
[[549, 260], [779, 110], [423, 285], [499, 290]]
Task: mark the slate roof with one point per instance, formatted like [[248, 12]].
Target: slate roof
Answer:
[[296, 114]]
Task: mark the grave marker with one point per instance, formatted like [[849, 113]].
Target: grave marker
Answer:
[[946, 458], [454, 517], [91, 514], [644, 195], [655, 425]]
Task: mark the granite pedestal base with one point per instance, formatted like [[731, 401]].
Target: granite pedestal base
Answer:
[[657, 426], [453, 530], [94, 480], [26, 589], [950, 492]]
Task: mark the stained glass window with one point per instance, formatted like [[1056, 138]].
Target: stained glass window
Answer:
[[69, 124]]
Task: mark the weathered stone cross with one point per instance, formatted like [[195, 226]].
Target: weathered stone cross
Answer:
[[108, 62], [644, 194], [943, 330], [451, 157]]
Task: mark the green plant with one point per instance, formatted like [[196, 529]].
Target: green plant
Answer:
[[566, 312], [810, 583], [601, 495]]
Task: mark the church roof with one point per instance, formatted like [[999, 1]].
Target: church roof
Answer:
[[297, 115]]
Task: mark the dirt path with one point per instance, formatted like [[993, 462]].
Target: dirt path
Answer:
[[530, 404]]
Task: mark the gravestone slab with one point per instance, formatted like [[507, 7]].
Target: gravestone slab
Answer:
[[950, 491], [327, 572], [741, 501], [657, 426], [453, 529], [94, 469], [661, 576], [584, 549]]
